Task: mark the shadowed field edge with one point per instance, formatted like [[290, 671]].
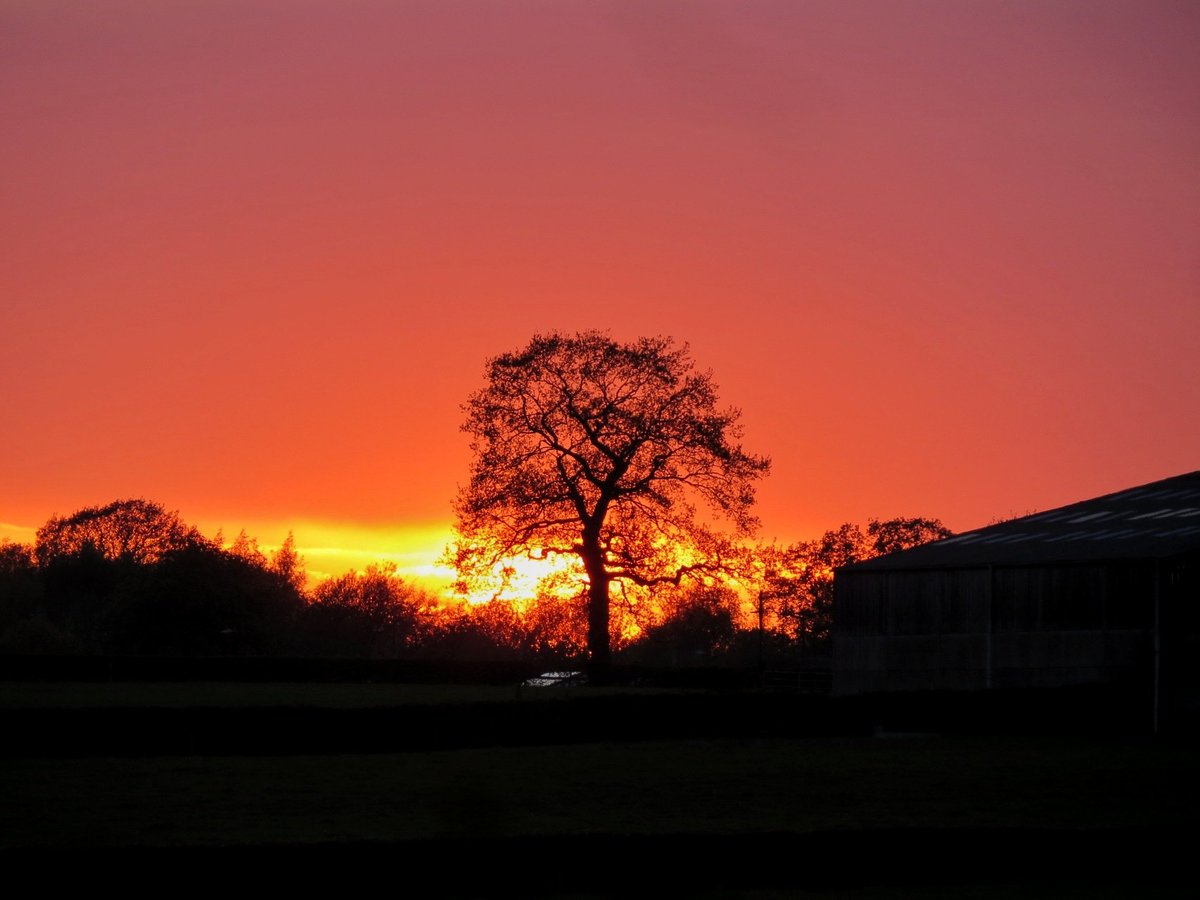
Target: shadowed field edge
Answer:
[[557, 863]]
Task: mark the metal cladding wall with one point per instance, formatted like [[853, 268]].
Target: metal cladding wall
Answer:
[[993, 627], [1101, 592]]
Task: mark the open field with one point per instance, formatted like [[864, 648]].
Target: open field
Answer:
[[673, 787], [230, 695], [736, 814]]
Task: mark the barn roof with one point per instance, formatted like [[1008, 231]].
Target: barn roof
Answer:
[[1152, 521]]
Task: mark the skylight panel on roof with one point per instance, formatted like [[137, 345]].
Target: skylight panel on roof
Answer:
[[1151, 515], [1189, 529], [1039, 517], [1127, 532], [1181, 513], [1066, 536], [1182, 494], [1095, 515], [1172, 532], [1057, 517]]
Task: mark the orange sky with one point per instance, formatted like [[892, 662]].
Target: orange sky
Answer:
[[945, 256]]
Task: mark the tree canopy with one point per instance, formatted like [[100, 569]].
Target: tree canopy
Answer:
[[796, 582], [615, 453], [136, 531]]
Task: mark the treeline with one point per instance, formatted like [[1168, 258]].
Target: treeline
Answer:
[[132, 578]]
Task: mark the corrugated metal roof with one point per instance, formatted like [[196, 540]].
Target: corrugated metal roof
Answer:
[[1153, 521]]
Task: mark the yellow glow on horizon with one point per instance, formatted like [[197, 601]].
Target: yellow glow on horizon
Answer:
[[524, 577], [18, 534], [331, 549]]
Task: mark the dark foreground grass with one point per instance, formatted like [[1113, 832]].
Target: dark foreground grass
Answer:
[[232, 695], [756, 818], [651, 788], [871, 819]]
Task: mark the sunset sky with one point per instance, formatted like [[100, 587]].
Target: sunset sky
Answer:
[[944, 255]]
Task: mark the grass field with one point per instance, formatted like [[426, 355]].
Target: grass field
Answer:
[[653, 787], [870, 790], [90, 695]]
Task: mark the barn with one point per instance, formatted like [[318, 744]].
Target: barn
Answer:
[[1101, 592]]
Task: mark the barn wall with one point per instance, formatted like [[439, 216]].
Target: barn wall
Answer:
[[970, 629], [1181, 636]]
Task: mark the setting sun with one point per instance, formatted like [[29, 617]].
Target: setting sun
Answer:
[[518, 578]]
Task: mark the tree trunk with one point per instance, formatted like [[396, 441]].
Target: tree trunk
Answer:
[[599, 655]]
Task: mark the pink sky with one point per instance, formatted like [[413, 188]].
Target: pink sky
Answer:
[[945, 256]]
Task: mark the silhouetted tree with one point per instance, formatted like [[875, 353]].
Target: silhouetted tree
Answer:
[[202, 600], [246, 548], [132, 531], [375, 613], [85, 557], [485, 631], [894, 535], [834, 549], [24, 624], [131, 577], [289, 564], [15, 558], [796, 583], [555, 626], [603, 451], [698, 625], [79, 588], [549, 627]]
